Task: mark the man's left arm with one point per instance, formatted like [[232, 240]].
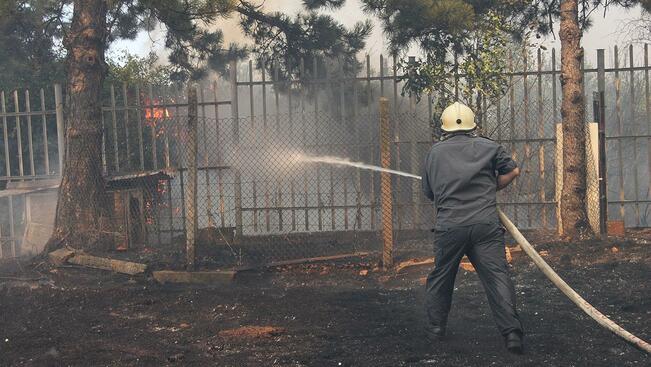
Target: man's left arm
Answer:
[[507, 168], [427, 190]]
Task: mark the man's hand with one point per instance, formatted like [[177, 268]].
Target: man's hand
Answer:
[[504, 180]]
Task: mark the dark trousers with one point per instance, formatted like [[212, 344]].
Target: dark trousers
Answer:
[[484, 246]]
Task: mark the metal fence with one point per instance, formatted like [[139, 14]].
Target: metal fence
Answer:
[[244, 199]]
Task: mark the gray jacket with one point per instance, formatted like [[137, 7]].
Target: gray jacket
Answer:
[[460, 177]]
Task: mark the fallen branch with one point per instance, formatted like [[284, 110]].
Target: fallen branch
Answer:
[[568, 291]]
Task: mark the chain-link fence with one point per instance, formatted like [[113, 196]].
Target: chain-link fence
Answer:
[[248, 196]]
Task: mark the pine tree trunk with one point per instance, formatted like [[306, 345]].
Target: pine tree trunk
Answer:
[[574, 216], [82, 211]]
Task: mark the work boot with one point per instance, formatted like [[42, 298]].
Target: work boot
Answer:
[[434, 333], [514, 343]]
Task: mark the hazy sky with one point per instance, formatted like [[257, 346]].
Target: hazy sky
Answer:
[[605, 33]]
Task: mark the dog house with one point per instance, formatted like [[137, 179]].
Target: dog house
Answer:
[[134, 198]]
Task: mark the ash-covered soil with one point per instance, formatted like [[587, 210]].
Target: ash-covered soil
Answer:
[[323, 315]]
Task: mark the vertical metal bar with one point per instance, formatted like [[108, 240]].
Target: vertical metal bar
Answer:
[[12, 226], [342, 96], [512, 127], [276, 84], [19, 135], [332, 199], [387, 196], [620, 132], [141, 147], [603, 166], [555, 122], [236, 140], [263, 72], [381, 75], [358, 156], [58, 103], [206, 160], [632, 102], [255, 205], [267, 204], [527, 145], [5, 134], [154, 137], [30, 140], [304, 80], [317, 143], [46, 153], [166, 136], [190, 197], [293, 203], [125, 102], [279, 204], [541, 151], [647, 105], [115, 130], [395, 86], [218, 146], [251, 107]]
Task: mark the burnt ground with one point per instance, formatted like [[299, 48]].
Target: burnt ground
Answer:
[[329, 314]]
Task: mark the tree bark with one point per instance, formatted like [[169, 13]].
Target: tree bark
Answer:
[[82, 216], [574, 216]]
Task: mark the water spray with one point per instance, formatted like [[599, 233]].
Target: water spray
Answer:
[[586, 307]]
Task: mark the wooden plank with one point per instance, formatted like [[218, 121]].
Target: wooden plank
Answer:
[[371, 140], [102, 263], [206, 160], [196, 277], [309, 260], [387, 192]]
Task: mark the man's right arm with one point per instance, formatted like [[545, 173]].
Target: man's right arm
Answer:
[[427, 190]]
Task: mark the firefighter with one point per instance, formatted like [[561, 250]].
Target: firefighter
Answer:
[[462, 174]]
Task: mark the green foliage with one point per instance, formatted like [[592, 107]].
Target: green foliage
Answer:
[[135, 70], [465, 45], [28, 52], [192, 37], [308, 36]]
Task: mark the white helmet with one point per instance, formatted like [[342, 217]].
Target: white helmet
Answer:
[[458, 117]]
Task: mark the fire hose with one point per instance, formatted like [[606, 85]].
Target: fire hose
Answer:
[[599, 317]]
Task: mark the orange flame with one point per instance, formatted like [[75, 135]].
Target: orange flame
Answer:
[[156, 112]]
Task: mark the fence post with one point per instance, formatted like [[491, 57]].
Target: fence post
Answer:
[[601, 120], [386, 190], [58, 105], [191, 187], [236, 141]]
